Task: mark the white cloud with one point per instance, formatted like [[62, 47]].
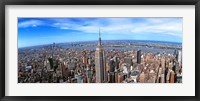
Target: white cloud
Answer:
[[30, 23], [160, 26], [165, 26]]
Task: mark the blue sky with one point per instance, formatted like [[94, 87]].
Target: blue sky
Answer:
[[38, 31]]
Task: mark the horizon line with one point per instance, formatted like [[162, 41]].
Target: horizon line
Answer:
[[97, 41]]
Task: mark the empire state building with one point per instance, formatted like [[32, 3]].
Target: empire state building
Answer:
[[100, 67]]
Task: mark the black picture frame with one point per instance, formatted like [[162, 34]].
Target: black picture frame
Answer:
[[3, 3]]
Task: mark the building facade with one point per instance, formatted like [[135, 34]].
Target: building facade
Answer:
[[100, 66]]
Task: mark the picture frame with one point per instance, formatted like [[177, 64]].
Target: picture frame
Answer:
[[98, 2]]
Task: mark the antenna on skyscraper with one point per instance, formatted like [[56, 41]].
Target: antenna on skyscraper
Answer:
[[99, 33], [99, 43]]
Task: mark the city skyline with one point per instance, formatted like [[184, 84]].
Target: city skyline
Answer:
[[38, 31], [108, 63]]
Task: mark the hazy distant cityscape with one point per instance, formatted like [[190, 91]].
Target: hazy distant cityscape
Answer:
[[101, 61]]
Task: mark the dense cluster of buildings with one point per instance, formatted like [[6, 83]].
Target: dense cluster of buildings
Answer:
[[54, 64]]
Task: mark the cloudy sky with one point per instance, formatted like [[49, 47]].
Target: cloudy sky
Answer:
[[38, 31]]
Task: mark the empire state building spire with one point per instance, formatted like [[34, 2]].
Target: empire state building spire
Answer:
[[99, 43]]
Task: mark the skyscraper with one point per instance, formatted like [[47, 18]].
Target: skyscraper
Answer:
[[139, 56], [100, 63], [180, 56], [112, 65], [176, 54], [51, 59], [172, 75]]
